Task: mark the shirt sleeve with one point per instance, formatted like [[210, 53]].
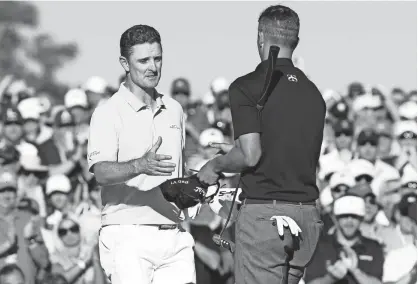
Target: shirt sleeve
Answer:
[[245, 116], [103, 137]]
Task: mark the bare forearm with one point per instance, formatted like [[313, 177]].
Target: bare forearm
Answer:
[[232, 162], [109, 173], [326, 279], [363, 278]]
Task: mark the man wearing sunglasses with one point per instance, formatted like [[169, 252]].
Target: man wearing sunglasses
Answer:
[[367, 149], [21, 241], [346, 256]]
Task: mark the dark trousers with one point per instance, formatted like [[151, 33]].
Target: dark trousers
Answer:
[[262, 256]]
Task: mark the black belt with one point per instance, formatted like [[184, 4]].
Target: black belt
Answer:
[[165, 226], [274, 202]]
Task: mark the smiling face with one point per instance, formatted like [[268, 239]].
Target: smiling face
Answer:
[[144, 64]]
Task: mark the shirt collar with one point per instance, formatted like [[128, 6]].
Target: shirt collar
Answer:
[[279, 62], [136, 103]]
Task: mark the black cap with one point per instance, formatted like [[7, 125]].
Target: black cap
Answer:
[[368, 136], [408, 206], [344, 126], [180, 85], [339, 110], [12, 115], [64, 118]]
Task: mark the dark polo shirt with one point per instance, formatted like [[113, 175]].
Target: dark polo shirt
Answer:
[[291, 127], [369, 253]]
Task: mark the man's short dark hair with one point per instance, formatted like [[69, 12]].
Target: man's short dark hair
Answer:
[[9, 269], [280, 23], [138, 34]]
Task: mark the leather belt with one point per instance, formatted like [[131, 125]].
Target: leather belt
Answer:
[[274, 202]]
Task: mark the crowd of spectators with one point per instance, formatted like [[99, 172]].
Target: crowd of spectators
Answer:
[[50, 203]]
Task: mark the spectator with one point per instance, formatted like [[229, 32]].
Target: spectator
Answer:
[[346, 256], [12, 274], [76, 103], [406, 135], [401, 264], [72, 257], [95, 88], [21, 239]]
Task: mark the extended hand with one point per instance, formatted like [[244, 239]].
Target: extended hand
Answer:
[[207, 174], [349, 258], [152, 165], [286, 222]]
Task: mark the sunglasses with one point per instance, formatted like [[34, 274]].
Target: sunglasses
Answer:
[[345, 133], [364, 177], [339, 188], [365, 142], [62, 232], [353, 216]]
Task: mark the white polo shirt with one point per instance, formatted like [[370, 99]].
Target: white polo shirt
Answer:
[[124, 128]]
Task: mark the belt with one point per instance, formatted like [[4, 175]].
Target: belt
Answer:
[[274, 202], [159, 226], [165, 226]]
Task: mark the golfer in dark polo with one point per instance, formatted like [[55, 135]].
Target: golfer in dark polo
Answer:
[[276, 151]]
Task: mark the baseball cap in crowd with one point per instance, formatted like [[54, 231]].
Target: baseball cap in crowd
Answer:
[[361, 167], [211, 135], [355, 88], [362, 190], [339, 110], [341, 179], [64, 118], [406, 129], [58, 183], [180, 86], [12, 116], [343, 127], [8, 180], [368, 136], [408, 110], [349, 205], [329, 168], [76, 98], [208, 98], [29, 159], [408, 206], [219, 85], [330, 95], [30, 109], [95, 84], [367, 101], [409, 179]]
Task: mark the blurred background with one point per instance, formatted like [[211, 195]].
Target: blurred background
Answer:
[[59, 61]]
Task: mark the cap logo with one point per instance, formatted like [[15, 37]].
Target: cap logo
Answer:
[[292, 78]]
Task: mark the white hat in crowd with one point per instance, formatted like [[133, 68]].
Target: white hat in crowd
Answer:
[[76, 98], [349, 205], [408, 110], [405, 126], [30, 108], [360, 167], [329, 94], [58, 183], [211, 135], [219, 85], [342, 178], [29, 158], [95, 84], [366, 101], [409, 177], [8, 179], [329, 167]]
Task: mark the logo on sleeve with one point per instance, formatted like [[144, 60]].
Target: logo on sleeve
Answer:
[[292, 78]]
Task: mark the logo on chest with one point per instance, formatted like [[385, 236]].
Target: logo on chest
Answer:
[[173, 126]]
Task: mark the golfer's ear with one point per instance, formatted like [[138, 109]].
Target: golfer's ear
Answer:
[[124, 62]]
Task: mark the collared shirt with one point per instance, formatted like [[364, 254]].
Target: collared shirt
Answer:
[[369, 254], [124, 128], [291, 126]]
